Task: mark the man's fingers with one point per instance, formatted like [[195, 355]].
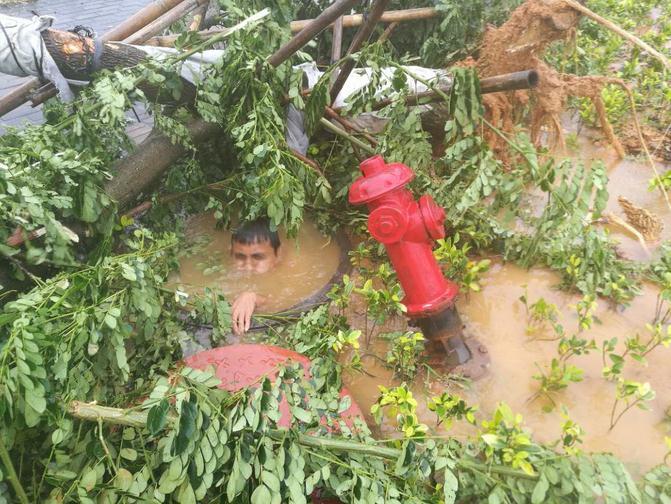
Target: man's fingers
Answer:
[[248, 320], [237, 323]]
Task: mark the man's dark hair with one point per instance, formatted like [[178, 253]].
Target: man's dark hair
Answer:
[[256, 231]]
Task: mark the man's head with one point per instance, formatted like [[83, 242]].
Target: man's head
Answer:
[[255, 247]]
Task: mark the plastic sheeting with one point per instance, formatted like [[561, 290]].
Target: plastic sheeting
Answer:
[[23, 53], [360, 78]]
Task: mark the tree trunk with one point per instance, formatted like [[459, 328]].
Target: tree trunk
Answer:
[[74, 56], [144, 166]]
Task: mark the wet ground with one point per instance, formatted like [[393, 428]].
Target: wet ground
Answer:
[[498, 319]]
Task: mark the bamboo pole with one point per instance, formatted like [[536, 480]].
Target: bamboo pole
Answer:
[[140, 19], [18, 96], [336, 46], [328, 16], [620, 31], [524, 79], [163, 21], [360, 38], [349, 21], [387, 17]]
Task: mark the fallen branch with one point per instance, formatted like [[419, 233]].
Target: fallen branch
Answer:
[[138, 418], [21, 94], [341, 132], [360, 38], [349, 125], [620, 31], [11, 474], [138, 171], [611, 217]]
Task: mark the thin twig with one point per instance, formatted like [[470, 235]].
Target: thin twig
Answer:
[[11, 474], [620, 31], [341, 132], [349, 125], [644, 145]]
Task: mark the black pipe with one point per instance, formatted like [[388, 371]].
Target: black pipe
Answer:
[[525, 79], [444, 334]]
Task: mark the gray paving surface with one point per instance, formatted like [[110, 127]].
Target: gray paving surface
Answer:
[[101, 15]]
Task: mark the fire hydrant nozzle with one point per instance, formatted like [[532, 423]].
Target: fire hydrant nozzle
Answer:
[[408, 229]]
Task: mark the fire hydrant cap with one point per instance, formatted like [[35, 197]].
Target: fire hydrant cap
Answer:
[[378, 179], [387, 224]]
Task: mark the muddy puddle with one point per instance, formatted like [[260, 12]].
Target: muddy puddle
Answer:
[[306, 265], [628, 178], [498, 319]]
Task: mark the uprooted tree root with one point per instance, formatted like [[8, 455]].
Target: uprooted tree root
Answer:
[[519, 44]]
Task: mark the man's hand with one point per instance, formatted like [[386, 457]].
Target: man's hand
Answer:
[[242, 310]]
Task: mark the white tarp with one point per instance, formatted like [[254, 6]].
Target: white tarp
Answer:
[[360, 77], [23, 53]]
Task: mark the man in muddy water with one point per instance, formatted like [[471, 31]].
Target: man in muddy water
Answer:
[[255, 249]]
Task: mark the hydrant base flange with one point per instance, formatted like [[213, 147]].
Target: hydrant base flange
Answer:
[[427, 309]]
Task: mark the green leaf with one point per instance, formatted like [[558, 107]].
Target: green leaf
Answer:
[[187, 426], [128, 272], [301, 414], [128, 454], [158, 416], [37, 402], [541, 488], [271, 480], [186, 495], [123, 480], [261, 495], [450, 487], [88, 480]]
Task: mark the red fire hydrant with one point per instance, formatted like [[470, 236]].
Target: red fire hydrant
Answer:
[[408, 229]]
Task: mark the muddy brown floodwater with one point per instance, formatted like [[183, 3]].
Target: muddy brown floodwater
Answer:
[[499, 320], [306, 265]]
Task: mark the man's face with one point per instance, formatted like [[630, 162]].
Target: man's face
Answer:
[[254, 257]]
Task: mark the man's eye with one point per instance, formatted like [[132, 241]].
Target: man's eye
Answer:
[[258, 257], [239, 257]]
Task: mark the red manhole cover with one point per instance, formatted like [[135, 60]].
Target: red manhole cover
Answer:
[[240, 366]]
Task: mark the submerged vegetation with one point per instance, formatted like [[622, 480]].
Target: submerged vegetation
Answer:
[[94, 403]]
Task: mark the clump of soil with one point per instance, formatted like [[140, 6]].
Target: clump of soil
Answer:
[[519, 44], [645, 222], [658, 143]]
